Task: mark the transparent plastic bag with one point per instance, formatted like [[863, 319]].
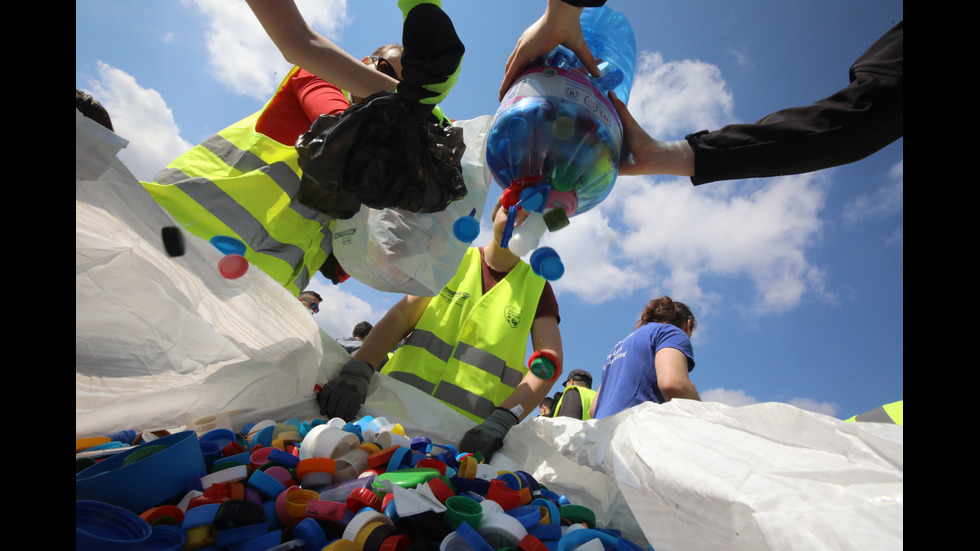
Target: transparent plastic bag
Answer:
[[399, 251]]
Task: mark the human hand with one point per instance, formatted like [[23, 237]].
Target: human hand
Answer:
[[559, 25], [343, 395], [643, 154], [488, 436]]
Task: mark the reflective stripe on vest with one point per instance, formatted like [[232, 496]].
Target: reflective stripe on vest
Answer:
[[242, 184], [889, 413], [468, 349]]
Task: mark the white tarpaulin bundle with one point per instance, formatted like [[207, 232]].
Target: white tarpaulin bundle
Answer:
[[164, 341]]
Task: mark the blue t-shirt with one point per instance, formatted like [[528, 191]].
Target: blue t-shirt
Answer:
[[630, 376]]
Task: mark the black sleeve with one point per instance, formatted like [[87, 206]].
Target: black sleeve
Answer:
[[842, 128], [571, 406], [585, 3]]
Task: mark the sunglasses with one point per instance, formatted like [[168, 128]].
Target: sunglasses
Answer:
[[385, 67], [312, 304]]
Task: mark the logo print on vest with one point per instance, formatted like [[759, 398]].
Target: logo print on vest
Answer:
[[513, 315]]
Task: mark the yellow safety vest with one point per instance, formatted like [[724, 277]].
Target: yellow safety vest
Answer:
[[242, 184], [889, 413], [468, 348], [587, 395]]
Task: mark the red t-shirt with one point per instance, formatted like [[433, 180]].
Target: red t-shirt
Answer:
[[293, 110], [547, 304]]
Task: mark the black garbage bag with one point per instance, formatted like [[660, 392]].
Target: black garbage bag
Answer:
[[390, 150], [378, 153]]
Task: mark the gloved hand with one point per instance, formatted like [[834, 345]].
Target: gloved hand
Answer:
[[488, 436], [343, 395], [432, 54]]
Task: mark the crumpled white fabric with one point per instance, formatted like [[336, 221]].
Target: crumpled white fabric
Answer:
[[690, 475], [167, 342], [162, 340]]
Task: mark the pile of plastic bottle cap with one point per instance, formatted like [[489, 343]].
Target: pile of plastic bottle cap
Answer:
[[314, 486]]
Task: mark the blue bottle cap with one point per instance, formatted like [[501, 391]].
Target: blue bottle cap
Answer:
[[166, 538], [105, 527], [228, 245], [546, 263], [466, 229]]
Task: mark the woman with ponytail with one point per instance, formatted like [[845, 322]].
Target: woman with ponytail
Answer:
[[652, 363]]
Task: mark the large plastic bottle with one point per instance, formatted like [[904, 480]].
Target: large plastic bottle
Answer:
[[556, 129]]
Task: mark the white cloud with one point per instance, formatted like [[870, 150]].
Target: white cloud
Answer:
[[886, 201], [141, 116], [734, 398], [242, 56], [678, 97], [666, 235], [826, 408], [647, 235], [340, 311], [739, 398]]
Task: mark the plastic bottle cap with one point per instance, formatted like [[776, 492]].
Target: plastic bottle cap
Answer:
[[409, 477], [504, 526], [173, 241], [506, 497], [296, 501], [361, 498], [200, 516], [472, 537], [310, 532], [326, 510], [575, 539], [313, 465], [165, 538], [86, 443], [546, 263], [228, 245], [101, 526], [266, 484], [527, 515], [460, 509], [163, 515], [327, 441], [361, 520], [577, 513], [466, 229], [232, 266]]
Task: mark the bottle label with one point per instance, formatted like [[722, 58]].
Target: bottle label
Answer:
[[570, 86]]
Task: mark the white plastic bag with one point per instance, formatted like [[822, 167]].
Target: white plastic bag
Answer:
[[415, 253], [160, 340]]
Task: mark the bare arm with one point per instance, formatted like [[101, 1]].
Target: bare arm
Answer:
[[394, 326], [303, 46], [559, 25], [672, 376], [647, 155], [532, 390]]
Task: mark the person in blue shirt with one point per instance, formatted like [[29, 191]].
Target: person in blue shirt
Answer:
[[652, 363]]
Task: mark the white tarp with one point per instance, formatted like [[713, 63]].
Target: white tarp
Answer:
[[164, 342]]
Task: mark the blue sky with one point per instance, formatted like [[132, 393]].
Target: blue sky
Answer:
[[797, 282]]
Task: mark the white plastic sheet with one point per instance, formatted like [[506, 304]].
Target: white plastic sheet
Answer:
[[161, 340], [165, 342]]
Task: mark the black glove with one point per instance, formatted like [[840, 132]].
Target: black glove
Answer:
[[343, 395], [488, 436], [432, 53]]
